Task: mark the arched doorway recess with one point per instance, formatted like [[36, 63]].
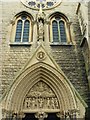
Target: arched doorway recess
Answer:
[[41, 75], [42, 89]]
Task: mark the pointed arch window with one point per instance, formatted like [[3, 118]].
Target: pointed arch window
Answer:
[[23, 29], [55, 31], [59, 30]]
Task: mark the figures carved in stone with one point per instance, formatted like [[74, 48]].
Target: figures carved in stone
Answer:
[[41, 96], [41, 30], [40, 23]]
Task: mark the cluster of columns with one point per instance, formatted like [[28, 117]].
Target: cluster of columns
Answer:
[[63, 115]]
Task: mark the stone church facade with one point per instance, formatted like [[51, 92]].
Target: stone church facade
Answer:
[[45, 60]]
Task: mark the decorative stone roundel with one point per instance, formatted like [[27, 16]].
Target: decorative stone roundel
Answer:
[[41, 55], [45, 4]]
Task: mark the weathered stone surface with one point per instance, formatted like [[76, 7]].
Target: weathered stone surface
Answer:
[[69, 57]]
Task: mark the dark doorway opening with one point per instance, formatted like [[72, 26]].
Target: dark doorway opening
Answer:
[[52, 116], [29, 116]]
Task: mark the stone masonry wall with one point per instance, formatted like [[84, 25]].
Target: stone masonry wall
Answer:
[[69, 58]]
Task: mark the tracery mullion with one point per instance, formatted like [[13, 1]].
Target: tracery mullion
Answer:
[[22, 30], [59, 32]]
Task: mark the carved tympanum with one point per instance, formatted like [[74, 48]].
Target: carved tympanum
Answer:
[[41, 96]]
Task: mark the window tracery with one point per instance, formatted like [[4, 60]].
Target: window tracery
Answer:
[[46, 4], [59, 30], [22, 29]]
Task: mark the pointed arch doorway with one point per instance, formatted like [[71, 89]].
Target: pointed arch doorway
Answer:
[[41, 89]]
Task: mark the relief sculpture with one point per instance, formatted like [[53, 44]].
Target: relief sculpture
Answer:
[[41, 96]]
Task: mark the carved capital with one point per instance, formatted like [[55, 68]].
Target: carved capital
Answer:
[[21, 115], [61, 114], [41, 115], [73, 112], [34, 22], [68, 114]]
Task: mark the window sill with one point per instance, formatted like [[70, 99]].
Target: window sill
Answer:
[[61, 44], [20, 44]]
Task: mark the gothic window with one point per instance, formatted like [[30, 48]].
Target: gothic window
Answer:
[[62, 31], [59, 30], [23, 29]]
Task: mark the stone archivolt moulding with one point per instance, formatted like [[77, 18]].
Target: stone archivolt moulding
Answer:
[[34, 75]]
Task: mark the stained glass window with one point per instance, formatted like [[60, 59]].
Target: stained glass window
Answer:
[[26, 31], [55, 31], [18, 31], [58, 30], [22, 30], [62, 31]]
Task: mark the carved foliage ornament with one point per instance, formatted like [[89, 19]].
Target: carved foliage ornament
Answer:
[[41, 115], [41, 96], [45, 4]]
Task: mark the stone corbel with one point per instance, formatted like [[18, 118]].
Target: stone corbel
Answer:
[[41, 115], [12, 22]]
